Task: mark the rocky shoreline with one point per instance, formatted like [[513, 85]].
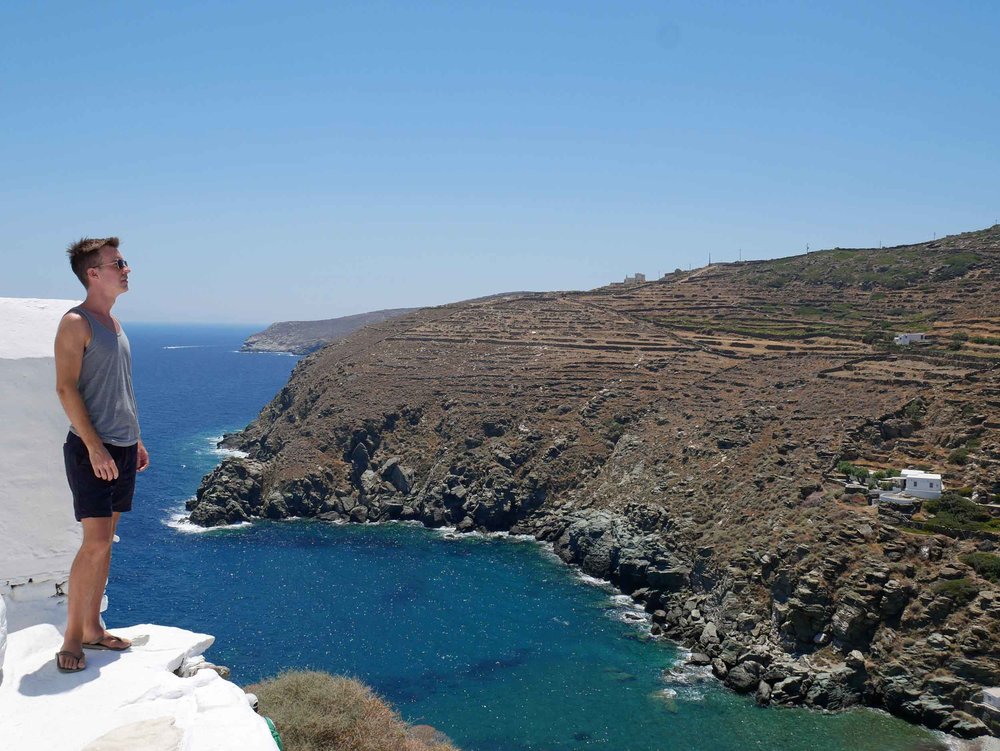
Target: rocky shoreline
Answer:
[[683, 439], [807, 650]]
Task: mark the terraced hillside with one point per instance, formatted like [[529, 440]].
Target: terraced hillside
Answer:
[[682, 438]]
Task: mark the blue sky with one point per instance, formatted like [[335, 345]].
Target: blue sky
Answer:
[[302, 160]]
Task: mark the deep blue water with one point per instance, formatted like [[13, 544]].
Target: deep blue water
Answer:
[[491, 640]]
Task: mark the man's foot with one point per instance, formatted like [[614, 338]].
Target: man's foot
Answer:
[[109, 642], [70, 662]]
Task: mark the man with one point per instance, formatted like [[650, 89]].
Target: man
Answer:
[[103, 450]]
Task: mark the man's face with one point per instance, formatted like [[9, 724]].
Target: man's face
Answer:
[[109, 278]]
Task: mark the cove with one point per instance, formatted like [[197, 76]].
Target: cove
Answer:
[[491, 640]]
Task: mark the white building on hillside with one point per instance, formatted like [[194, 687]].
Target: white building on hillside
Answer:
[[912, 484], [904, 340]]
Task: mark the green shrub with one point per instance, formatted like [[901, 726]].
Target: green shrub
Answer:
[[953, 513], [875, 336], [614, 429], [965, 491], [316, 711], [846, 468], [959, 456], [962, 591], [986, 565]]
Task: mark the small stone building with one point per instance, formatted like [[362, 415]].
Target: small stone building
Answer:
[[905, 340]]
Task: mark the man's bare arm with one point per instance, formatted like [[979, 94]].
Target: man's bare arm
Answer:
[[71, 340], [142, 457]]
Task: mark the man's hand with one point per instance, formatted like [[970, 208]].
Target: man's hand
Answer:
[[104, 466], [142, 458]]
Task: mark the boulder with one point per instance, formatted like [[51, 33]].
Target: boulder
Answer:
[[400, 477], [895, 596], [933, 712], [787, 690], [360, 459], [369, 483], [709, 634], [394, 509], [763, 695], [590, 541], [818, 694], [741, 679], [946, 686], [854, 625], [964, 725], [719, 669]]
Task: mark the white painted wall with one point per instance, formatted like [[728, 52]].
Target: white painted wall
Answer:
[[38, 532], [3, 635]]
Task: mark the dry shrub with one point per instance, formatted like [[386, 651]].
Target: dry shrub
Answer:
[[317, 711]]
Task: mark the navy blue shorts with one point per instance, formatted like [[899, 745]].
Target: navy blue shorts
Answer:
[[92, 496]]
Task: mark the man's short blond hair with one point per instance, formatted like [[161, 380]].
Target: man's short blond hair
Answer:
[[85, 253]]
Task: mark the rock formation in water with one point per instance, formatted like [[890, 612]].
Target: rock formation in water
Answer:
[[682, 439]]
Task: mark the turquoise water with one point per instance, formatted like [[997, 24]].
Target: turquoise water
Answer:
[[492, 640]]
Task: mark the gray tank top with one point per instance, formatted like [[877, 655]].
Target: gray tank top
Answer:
[[106, 384]]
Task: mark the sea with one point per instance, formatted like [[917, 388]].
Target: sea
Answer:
[[490, 639]]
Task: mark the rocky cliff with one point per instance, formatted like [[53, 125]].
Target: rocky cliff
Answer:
[[681, 438]]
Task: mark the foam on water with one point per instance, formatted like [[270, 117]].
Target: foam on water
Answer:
[[685, 680], [221, 450], [180, 521]]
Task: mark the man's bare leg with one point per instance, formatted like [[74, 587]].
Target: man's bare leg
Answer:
[[93, 631], [87, 578]]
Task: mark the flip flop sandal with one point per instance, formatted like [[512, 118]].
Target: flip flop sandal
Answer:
[[99, 644], [77, 657]]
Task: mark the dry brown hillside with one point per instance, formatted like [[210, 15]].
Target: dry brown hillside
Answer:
[[681, 438]]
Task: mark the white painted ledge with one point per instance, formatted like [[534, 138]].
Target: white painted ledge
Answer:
[[122, 698]]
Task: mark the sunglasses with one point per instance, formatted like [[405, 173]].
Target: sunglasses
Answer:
[[121, 263]]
